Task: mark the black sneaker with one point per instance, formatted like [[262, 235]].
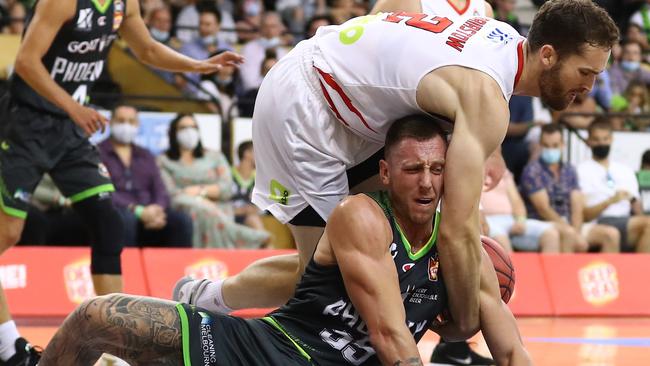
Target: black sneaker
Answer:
[[457, 353], [26, 354]]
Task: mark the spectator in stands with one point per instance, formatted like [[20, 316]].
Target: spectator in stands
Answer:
[[581, 104], [316, 22], [643, 177], [200, 183], [149, 6], [516, 151], [508, 223], [551, 192], [140, 195], [635, 100], [244, 179], [602, 91], [160, 26], [255, 50], [219, 89], [188, 18], [16, 24], [203, 46], [641, 19], [504, 10], [248, 14], [612, 192], [628, 68], [246, 102], [635, 33], [645, 160], [344, 10], [51, 219]]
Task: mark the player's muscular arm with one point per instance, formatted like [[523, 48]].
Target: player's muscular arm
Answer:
[[471, 100], [49, 16], [387, 6], [542, 204], [359, 236], [154, 53]]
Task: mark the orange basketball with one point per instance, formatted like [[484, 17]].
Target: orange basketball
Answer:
[[502, 265]]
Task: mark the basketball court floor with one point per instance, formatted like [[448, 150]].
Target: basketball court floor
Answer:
[[550, 341]]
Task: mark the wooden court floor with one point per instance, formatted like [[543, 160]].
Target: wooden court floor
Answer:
[[550, 341]]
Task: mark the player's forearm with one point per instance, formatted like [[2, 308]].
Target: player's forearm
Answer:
[[162, 57], [34, 73], [395, 347]]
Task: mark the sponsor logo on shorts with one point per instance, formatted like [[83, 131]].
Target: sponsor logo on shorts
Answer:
[[433, 268], [599, 283], [13, 276], [78, 281], [207, 342], [103, 171], [279, 193], [407, 266], [85, 19], [211, 269], [21, 195]]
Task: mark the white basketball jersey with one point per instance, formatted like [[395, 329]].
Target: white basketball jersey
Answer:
[[446, 8], [370, 67]]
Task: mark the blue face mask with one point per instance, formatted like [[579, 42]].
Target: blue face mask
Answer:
[[158, 35], [551, 156], [630, 65]]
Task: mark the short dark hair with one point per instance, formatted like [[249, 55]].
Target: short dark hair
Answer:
[[209, 6], [645, 158], [241, 150], [600, 123], [567, 25], [174, 150], [326, 17], [551, 128], [420, 127]]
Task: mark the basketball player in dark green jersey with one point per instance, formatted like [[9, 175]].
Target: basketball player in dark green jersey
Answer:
[[372, 289]]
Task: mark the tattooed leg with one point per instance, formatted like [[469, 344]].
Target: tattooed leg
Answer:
[[139, 330]]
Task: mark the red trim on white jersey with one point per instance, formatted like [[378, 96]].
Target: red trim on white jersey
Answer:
[[459, 11], [520, 62]]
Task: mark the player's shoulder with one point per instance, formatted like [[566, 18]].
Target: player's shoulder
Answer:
[[359, 210]]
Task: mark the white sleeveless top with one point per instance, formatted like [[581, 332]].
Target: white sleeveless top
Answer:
[[472, 8], [369, 67]]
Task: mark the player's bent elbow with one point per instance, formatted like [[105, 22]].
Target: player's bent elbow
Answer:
[[22, 65]]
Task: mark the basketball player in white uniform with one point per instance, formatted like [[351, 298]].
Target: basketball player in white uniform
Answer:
[[326, 106]]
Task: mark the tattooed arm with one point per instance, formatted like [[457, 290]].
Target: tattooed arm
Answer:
[[139, 330]]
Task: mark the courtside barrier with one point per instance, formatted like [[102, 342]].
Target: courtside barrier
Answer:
[[51, 281]]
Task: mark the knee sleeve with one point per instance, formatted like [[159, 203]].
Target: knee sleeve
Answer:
[[107, 233]]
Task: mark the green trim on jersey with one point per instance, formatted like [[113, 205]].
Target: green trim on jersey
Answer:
[[277, 325], [185, 334], [383, 200], [14, 212], [92, 192], [102, 8], [244, 183]]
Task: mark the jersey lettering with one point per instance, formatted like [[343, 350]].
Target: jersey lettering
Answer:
[[458, 38], [77, 71], [425, 22], [80, 94]]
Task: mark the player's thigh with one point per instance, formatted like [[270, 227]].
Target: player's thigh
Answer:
[[306, 238]]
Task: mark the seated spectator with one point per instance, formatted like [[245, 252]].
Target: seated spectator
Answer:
[[254, 51], [248, 14], [508, 223], [504, 10], [602, 91], [635, 33], [16, 23], [246, 102], [160, 26], [140, 195], [316, 22], [612, 192], [207, 43], [244, 179], [635, 100], [581, 104], [51, 219], [551, 192], [628, 69], [344, 10], [219, 89], [516, 149], [643, 176], [639, 19], [200, 183]]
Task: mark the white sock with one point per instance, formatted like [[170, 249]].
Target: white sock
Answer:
[[8, 335], [211, 298]]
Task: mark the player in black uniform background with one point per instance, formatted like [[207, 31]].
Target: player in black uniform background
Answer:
[[44, 127], [372, 289]]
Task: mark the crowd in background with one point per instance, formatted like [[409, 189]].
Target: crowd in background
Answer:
[[193, 197]]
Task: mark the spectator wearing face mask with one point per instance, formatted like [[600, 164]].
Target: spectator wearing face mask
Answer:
[[221, 86], [207, 43], [628, 68], [200, 183], [612, 192], [254, 51], [160, 25], [140, 194]]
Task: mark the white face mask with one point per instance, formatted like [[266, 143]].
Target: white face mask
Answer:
[[124, 133], [188, 138], [270, 42]]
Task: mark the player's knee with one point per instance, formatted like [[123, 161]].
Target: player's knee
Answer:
[[107, 228], [9, 235]]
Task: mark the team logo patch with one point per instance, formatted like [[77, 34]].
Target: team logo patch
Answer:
[[433, 268], [85, 19], [101, 21], [499, 36], [407, 266], [118, 14], [393, 250], [103, 171]]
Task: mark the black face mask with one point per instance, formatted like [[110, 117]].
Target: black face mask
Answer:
[[600, 152]]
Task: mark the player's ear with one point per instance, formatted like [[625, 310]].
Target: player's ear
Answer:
[[548, 56], [383, 171]]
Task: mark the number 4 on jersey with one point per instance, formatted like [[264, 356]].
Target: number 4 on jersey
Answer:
[[435, 24]]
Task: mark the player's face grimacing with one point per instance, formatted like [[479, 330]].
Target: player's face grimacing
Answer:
[[413, 173], [571, 76]]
